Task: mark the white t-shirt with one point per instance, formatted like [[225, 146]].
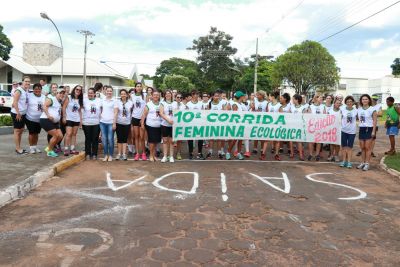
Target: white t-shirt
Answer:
[[54, 110], [365, 116], [195, 106], [35, 107], [328, 108], [168, 111], [287, 108], [298, 109], [349, 120], [124, 112], [218, 106], [320, 109], [224, 102], [260, 106], [91, 111], [274, 108], [206, 105], [72, 110], [22, 102], [179, 106], [138, 106], [107, 113], [153, 117]]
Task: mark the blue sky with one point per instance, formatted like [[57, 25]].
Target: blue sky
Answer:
[[151, 32]]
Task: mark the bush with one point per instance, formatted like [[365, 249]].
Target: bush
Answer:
[[6, 120]]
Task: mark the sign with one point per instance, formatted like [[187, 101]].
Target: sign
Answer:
[[233, 125]]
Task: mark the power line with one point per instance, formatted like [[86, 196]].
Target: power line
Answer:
[[354, 24]]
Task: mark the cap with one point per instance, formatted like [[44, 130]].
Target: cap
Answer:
[[61, 89], [375, 97], [239, 94]]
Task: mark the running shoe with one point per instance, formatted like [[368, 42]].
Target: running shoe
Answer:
[[228, 156], [47, 149], [277, 157], [110, 158], [309, 158], [66, 153], [208, 155], [272, 151], [164, 159], [255, 152], [343, 164], [200, 156], [171, 159], [124, 157], [118, 157], [144, 157], [136, 158], [361, 166], [262, 157], [52, 154], [190, 156], [32, 151], [235, 153], [247, 154], [94, 158], [366, 167], [349, 165], [105, 158], [240, 156], [220, 156], [38, 150], [74, 152], [178, 156], [318, 158]]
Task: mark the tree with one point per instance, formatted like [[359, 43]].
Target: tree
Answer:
[[178, 66], [213, 52], [178, 82], [246, 80], [305, 67], [396, 67], [5, 45]]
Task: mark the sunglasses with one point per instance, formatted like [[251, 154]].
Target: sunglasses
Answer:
[[62, 92], [179, 97]]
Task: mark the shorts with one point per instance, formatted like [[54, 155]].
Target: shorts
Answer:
[[122, 133], [48, 125], [18, 124], [392, 130], [348, 139], [72, 123], [153, 134], [33, 127], [166, 131], [365, 133], [135, 122]]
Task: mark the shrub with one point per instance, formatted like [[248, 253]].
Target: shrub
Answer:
[[5, 120]]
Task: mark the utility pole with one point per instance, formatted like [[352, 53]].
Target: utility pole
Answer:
[[85, 33], [255, 68]]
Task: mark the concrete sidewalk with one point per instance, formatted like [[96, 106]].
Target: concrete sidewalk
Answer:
[[14, 168]]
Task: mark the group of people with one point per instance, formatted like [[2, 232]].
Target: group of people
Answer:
[[143, 119]]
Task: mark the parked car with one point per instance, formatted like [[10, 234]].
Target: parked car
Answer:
[[6, 100]]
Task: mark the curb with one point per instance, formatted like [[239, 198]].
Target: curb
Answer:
[[21, 189], [6, 130], [387, 169]]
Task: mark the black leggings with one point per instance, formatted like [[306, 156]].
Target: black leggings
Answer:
[[199, 146], [91, 139]]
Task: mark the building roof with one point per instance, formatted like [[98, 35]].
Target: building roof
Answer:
[[72, 67]]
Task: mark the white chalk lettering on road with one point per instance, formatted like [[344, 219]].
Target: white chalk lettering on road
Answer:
[[360, 196], [111, 184], [224, 188], [156, 183], [284, 177]]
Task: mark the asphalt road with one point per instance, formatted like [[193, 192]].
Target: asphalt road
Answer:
[[214, 214]]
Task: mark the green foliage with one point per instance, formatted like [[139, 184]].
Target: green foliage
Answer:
[[396, 67], [5, 120], [130, 83], [5, 45], [178, 82], [393, 162], [178, 66], [305, 67], [213, 59]]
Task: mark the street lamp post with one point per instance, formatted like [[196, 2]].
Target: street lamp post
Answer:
[[45, 16], [85, 33]]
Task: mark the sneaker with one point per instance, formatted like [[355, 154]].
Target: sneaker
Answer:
[[190, 156], [32, 151], [273, 151], [349, 165], [171, 159], [277, 157], [343, 164], [240, 156], [110, 158], [318, 158], [358, 153], [235, 153], [366, 167], [66, 153], [200, 156], [309, 158], [124, 157], [118, 157], [144, 157], [178, 156], [74, 152], [208, 155], [255, 152], [247, 154], [105, 158], [94, 158], [38, 150], [228, 156], [136, 158], [52, 154], [361, 166], [262, 157], [336, 159], [164, 159], [47, 149], [330, 158]]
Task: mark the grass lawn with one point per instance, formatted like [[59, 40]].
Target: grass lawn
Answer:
[[393, 162]]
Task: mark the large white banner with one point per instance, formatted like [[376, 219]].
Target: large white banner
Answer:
[[225, 125]]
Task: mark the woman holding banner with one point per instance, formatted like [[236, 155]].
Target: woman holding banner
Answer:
[[216, 104], [367, 116], [179, 105], [273, 106], [259, 105], [195, 104], [316, 107], [285, 108], [334, 149], [298, 108]]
